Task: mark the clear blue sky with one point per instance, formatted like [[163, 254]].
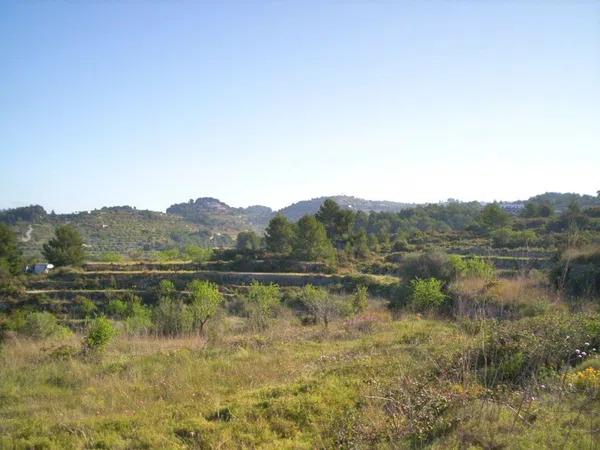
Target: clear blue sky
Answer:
[[151, 103]]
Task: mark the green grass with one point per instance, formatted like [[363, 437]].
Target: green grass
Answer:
[[290, 387]]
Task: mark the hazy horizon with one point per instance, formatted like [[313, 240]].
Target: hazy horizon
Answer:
[[149, 104], [289, 203]]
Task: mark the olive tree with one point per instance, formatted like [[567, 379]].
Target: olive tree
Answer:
[[205, 299], [320, 304]]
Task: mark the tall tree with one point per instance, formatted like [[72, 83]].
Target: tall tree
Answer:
[[493, 216], [361, 244], [10, 252], [280, 235], [311, 241], [66, 248], [337, 221]]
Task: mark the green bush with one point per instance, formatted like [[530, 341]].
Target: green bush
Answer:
[[507, 238], [472, 267], [112, 257], [513, 352], [321, 305], [117, 309], [579, 276], [139, 319], [170, 254], [262, 300], [359, 299], [100, 333], [433, 264], [427, 294], [86, 307], [172, 317], [197, 254], [42, 325]]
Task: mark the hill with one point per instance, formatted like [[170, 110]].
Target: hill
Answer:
[[121, 229], [296, 210], [215, 214], [561, 201]]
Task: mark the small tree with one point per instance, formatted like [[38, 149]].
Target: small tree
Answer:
[[493, 216], [359, 300], [206, 298], [361, 245], [247, 241], [263, 299], [99, 334], [322, 306], [427, 294], [66, 248]]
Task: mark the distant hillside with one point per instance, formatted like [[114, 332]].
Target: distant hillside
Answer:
[[121, 229], [205, 221], [215, 214], [299, 209], [561, 201]]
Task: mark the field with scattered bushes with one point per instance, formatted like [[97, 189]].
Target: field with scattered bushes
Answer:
[[311, 337]]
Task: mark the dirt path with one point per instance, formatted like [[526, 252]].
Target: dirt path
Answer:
[[27, 236]]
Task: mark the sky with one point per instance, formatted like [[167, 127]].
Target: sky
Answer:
[[150, 103]]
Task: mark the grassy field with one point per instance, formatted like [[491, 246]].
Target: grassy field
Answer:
[[373, 381]]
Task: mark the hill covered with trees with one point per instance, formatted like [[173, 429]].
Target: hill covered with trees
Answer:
[[296, 210], [208, 222]]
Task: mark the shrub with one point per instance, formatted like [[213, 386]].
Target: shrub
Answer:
[[172, 317], [507, 238], [505, 298], [112, 257], [139, 320], [86, 307], [117, 308], [363, 323], [578, 272], [471, 268], [100, 333], [359, 300], [513, 352], [434, 264], [42, 325], [321, 306], [262, 299], [427, 294], [170, 254], [197, 254], [166, 289], [585, 380]]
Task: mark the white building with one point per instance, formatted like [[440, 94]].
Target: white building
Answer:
[[40, 268], [513, 208]]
